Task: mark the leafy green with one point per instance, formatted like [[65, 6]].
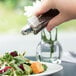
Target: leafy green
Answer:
[[17, 69], [20, 66], [28, 69], [8, 72], [44, 66], [7, 57], [19, 60]]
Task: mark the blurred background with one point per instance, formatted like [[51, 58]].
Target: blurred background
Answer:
[[12, 17], [12, 20]]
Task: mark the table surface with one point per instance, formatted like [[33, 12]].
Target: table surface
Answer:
[[29, 44], [69, 69]]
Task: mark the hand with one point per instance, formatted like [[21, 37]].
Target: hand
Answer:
[[67, 9]]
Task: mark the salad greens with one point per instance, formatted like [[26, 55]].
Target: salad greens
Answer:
[[14, 64]]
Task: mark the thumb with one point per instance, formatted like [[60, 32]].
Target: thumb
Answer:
[[44, 7], [56, 21]]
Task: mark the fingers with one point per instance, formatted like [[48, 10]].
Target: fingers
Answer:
[[45, 6], [56, 21]]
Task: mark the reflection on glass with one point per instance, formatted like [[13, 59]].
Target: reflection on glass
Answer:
[[49, 49]]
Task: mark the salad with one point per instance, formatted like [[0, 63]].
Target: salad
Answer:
[[14, 64]]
